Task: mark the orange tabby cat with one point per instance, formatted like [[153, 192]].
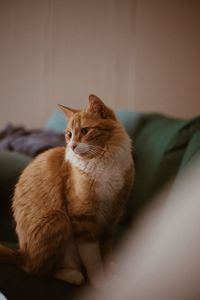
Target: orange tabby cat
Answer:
[[68, 201]]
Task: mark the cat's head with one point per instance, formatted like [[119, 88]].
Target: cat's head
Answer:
[[92, 130]]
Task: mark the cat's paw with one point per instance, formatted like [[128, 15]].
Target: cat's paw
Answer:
[[70, 275]]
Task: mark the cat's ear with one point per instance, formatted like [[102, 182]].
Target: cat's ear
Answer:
[[69, 112], [96, 105]]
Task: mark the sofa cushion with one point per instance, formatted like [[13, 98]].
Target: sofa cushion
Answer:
[[11, 166], [57, 121], [159, 150], [184, 134], [192, 151]]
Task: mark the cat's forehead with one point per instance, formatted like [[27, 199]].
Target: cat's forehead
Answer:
[[83, 119], [74, 122]]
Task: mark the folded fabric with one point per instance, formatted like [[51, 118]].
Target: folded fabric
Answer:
[[29, 142]]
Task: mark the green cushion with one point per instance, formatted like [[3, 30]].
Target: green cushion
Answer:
[[185, 133], [11, 166], [159, 150], [192, 151], [190, 158]]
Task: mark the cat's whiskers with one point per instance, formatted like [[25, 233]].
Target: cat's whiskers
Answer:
[[96, 147], [96, 150]]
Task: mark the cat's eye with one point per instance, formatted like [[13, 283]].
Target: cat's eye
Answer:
[[84, 131], [69, 134]]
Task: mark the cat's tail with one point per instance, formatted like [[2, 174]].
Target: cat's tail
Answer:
[[8, 255]]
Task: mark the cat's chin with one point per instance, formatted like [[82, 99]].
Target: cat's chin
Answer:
[[80, 154], [83, 156]]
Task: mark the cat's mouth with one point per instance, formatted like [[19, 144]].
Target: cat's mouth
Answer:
[[79, 149], [79, 152]]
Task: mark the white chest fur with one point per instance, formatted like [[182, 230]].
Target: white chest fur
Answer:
[[108, 172]]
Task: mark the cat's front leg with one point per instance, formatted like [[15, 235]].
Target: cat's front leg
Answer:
[[68, 268], [91, 257]]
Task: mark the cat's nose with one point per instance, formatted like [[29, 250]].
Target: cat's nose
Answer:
[[73, 145]]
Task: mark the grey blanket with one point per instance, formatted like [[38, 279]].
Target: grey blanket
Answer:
[[29, 142]]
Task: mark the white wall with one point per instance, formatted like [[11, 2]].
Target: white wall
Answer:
[[167, 61], [135, 54]]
